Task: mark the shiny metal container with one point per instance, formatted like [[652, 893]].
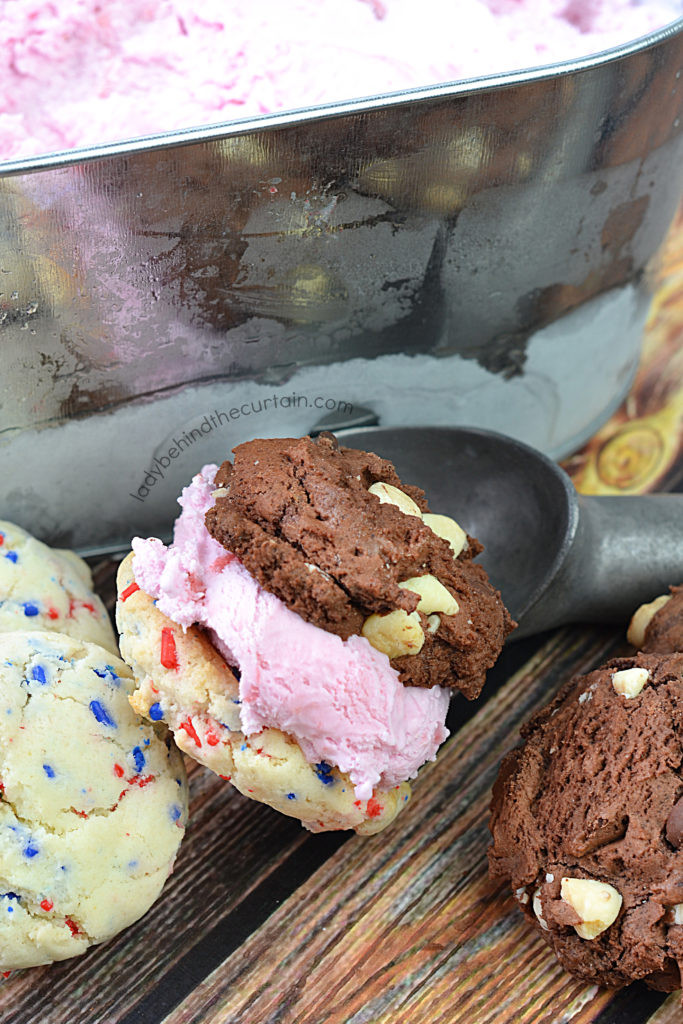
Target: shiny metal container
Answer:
[[466, 254]]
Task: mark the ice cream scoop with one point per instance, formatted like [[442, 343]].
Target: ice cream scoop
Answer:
[[556, 556]]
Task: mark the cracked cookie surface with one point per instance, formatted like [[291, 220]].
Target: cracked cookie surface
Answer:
[[587, 822], [47, 588], [306, 520], [93, 801]]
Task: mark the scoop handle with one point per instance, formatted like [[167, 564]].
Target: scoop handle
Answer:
[[626, 550]]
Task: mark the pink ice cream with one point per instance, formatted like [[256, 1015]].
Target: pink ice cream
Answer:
[[340, 699], [81, 72]]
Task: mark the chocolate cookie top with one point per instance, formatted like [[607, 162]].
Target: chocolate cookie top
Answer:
[[587, 822], [336, 535], [657, 627]]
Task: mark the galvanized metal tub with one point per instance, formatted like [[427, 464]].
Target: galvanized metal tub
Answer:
[[475, 253]]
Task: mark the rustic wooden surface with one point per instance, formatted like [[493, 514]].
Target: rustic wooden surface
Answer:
[[262, 923]]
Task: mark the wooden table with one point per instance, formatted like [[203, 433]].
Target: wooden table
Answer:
[[263, 923]]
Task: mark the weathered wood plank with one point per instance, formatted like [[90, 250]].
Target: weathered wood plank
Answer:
[[406, 926]]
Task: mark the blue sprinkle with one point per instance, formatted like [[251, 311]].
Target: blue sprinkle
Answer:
[[10, 896], [30, 851], [38, 673], [323, 771], [10, 910], [139, 759], [101, 714], [49, 771], [243, 747], [132, 864], [175, 812], [156, 712], [235, 700], [145, 743], [107, 673], [30, 609], [291, 796], [12, 555]]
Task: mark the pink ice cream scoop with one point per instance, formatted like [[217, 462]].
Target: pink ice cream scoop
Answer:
[[339, 699]]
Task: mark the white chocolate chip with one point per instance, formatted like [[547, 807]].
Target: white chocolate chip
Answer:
[[642, 618], [316, 568], [433, 623], [597, 904], [394, 634], [391, 495], [448, 529], [630, 681], [550, 877], [538, 910], [220, 492], [678, 913], [586, 695], [433, 595], [522, 895]]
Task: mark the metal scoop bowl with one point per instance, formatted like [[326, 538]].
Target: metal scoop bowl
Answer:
[[555, 555]]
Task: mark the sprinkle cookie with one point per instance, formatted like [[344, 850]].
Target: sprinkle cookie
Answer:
[[182, 681], [93, 802], [42, 588]]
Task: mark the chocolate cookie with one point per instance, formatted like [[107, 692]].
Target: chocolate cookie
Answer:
[[587, 823], [657, 627], [336, 535]]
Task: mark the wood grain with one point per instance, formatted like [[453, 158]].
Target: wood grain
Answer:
[[406, 926]]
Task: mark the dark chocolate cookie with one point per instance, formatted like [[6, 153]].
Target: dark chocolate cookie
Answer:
[[587, 823], [657, 627], [336, 535]]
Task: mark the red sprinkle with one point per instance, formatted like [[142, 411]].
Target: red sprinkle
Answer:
[[141, 780], [374, 807], [169, 658], [212, 739], [6, 974], [46, 905], [52, 613], [125, 594], [72, 926], [191, 731], [2, 539], [90, 607], [119, 771]]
